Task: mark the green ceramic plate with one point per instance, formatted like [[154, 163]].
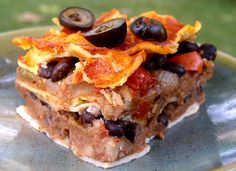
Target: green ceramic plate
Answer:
[[204, 141]]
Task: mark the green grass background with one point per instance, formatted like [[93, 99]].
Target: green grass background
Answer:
[[218, 17]]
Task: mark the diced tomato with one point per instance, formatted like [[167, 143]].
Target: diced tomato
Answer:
[[97, 90], [142, 110], [191, 61], [141, 80]]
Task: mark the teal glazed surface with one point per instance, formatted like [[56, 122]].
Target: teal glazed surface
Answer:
[[204, 141]]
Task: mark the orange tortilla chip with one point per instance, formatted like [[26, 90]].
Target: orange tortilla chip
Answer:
[[176, 32], [112, 14], [113, 70]]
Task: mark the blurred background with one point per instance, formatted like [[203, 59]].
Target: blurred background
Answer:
[[218, 17]]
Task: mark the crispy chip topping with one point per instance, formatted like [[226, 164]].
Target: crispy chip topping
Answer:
[[101, 66]]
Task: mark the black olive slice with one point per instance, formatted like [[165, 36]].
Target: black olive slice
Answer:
[[76, 18], [148, 29], [110, 34]]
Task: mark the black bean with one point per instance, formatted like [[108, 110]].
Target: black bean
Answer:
[[116, 128], [87, 117], [175, 68], [186, 46], [169, 56], [207, 51], [43, 103], [33, 96], [187, 98], [155, 62], [47, 72], [131, 131], [200, 89], [100, 116], [163, 119], [63, 68]]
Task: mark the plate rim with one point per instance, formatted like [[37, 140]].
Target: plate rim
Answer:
[[34, 28]]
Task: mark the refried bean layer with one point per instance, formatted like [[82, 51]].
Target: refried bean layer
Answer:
[[94, 140]]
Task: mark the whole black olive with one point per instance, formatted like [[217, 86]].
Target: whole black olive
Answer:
[[110, 34], [148, 29], [155, 62], [207, 51], [76, 18], [139, 27], [175, 68], [186, 46]]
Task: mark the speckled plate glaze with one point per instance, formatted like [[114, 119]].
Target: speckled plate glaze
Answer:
[[204, 141]]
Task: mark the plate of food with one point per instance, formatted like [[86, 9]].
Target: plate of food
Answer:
[[119, 92]]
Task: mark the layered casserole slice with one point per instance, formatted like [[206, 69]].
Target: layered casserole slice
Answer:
[[105, 88]]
